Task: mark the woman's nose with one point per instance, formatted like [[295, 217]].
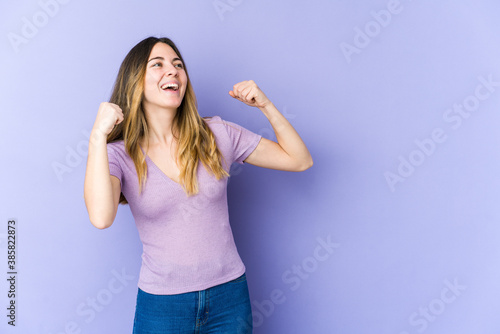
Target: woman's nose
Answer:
[[171, 70]]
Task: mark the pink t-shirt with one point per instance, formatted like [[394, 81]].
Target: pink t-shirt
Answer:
[[187, 242]]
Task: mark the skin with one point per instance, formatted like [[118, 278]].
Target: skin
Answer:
[[161, 107], [289, 153], [102, 190]]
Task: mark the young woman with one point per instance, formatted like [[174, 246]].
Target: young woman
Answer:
[[150, 148]]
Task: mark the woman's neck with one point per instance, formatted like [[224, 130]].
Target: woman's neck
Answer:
[[160, 127]]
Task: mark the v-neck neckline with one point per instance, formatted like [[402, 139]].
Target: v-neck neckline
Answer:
[[158, 168]]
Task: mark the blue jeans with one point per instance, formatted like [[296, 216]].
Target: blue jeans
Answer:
[[221, 309]]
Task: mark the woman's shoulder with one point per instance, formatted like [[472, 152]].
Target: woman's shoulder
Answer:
[[214, 121], [220, 126], [117, 145]]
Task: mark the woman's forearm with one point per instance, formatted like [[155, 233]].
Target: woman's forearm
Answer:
[[287, 137], [98, 191]]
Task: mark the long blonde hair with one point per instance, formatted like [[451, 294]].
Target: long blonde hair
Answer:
[[195, 139]]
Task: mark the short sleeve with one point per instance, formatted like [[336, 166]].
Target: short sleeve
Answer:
[[243, 141], [114, 162]]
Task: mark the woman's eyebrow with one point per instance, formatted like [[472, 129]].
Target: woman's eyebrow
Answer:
[[163, 59]]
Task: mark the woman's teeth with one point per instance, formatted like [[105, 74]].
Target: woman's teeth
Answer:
[[172, 86]]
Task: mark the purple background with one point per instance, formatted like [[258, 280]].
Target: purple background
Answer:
[[397, 249]]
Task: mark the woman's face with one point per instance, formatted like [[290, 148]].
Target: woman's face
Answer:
[[165, 81]]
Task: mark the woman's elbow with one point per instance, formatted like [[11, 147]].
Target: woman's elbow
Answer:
[[100, 223], [101, 217], [305, 165]]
